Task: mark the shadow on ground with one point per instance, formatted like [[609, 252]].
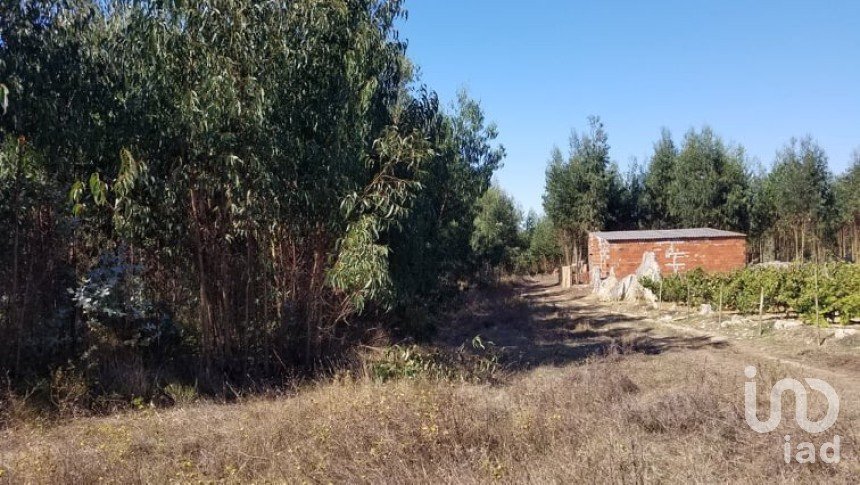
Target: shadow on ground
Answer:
[[536, 323]]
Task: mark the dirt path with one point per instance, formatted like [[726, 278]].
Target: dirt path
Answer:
[[537, 323], [597, 393]]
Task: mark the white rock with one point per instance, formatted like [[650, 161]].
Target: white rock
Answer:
[[606, 287], [649, 268], [706, 309], [620, 291], [842, 333], [786, 324]]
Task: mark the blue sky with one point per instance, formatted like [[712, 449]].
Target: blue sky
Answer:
[[758, 72]]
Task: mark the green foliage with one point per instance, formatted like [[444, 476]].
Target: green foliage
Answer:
[[661, 171], [399, 362], [847, 194], [796, 211], [709, 185], [762, 207], [4, 97], [496, 235], [261, 181], [180, 394], [783, 289], [848, 191], [799, 190], [34, 303], [578, 189], [361, 269], [475, 361], [542, 253], [626, 193], [839, 292], [431, 247]]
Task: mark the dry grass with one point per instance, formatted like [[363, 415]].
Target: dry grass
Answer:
[[625, 418]]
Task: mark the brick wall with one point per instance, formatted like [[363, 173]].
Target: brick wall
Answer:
[[711, 254]]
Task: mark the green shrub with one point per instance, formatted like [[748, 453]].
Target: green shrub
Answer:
[[791, 289], [475, 361], [180, 394]]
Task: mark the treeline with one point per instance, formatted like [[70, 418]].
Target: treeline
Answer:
[[796, 211], [222, 191]]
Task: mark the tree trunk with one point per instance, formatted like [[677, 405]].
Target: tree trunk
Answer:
[[207, 317], [855, 243], [803, 241], [795, 230], [14, 303]]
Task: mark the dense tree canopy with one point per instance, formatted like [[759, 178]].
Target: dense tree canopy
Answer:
[[233, 184], [848, 210], [800, 189], [541, 250], [709, 185], [432, 243]]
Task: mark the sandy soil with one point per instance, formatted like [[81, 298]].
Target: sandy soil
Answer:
[[534, 322]]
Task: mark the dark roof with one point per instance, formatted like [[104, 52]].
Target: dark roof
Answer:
[[697, 233]]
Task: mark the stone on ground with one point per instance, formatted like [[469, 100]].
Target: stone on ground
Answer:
[[786, 324], [842, 333], [628, 288], [606, 286]]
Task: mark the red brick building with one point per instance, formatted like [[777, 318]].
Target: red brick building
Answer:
[[676, 250]]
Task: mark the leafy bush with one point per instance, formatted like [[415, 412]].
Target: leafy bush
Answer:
[[791, 289], [400, 362], [476, 361], [180, 394]]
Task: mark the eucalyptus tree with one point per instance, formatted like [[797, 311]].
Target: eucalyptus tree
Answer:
[[803, 199], [496, 238], [542, 250], [249, 157], [530, 224], [848, 200], [709, 185], [431, 246], [32, 284], [659, 175], [578, 189], [624, 197], [762, 217]]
